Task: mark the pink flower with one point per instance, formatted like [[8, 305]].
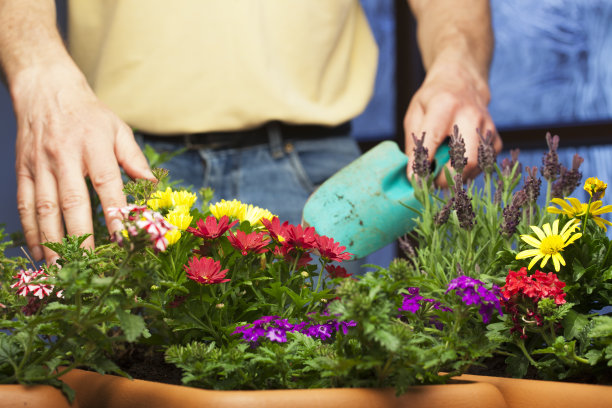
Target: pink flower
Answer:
[[25, 287], [137, 218], [205, 271], [211, 229], [330, 250], [298, 237], [253, 242]]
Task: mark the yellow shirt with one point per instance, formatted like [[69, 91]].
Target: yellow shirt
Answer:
[[184, 66]]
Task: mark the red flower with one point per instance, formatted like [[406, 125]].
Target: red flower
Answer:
[[298, 237], [289, 255], [337, 271], [253, 242], [537, 286], [275, 229], [205, 271], [211, 229], [330, 250]]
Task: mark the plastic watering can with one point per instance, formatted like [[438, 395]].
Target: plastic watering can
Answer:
[[363, 206]]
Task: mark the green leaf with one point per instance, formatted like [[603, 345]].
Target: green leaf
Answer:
[[573, 324], [594, 356], [133, 325]]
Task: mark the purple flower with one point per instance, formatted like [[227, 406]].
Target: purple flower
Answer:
[[411, 300], [473, 292], [278, 335]]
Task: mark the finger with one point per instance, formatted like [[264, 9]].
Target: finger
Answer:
[[437, 125], [26, 198], [75, 204], [130, 157], [48, 213], [106, 179]]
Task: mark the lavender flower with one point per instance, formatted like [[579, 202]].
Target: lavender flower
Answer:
[[442, 216], [420, 161], [550, 162], [512, 213], [486, 153], [463, 205], [457, 151], [473, 292], [532, 184], [499, 189], [569, 179]]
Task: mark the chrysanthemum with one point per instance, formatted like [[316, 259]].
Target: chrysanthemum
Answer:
[[210, 228], [253, 242], [233, 209], [205, 271], [179, 219], [255, 214], [595, 187], [550, 244], [183, 198], [172, 236], [160, 199], [576, 209]]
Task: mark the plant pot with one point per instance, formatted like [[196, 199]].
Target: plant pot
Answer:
[[34, 396], [105, 391], [520, 393]]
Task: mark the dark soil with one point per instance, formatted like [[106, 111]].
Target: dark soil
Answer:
[[147, 363]]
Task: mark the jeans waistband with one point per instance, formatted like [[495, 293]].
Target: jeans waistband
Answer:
[[271, 132]]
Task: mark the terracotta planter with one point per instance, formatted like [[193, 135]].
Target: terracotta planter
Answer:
[[547, 394], [106, 391]]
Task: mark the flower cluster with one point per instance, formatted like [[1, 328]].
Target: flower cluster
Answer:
[[140, 221], [275, 329], [31, 282], [521, 296], [473, 292], [413, 301]]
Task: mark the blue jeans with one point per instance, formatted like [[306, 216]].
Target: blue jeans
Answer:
[[278, 176]]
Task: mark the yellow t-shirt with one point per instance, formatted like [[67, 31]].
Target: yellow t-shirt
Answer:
[[182, 66]]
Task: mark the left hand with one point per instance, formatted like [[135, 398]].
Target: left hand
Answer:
[[451, 94]]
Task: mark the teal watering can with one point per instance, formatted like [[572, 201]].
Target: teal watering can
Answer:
[[364, 205]]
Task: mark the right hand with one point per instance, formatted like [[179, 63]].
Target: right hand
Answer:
[[64, 133]]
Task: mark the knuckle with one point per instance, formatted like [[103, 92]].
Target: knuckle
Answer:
[[103, 178], [25, 208], [72, 200], [46, 207]]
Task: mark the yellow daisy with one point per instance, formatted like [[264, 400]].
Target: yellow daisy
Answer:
[[576, 209], [550, 243], [254, 215], [183, 198], [160, 199], [594, 186], [233, 209], [179, 219], [173, 236]]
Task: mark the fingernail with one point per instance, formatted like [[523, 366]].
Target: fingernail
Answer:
[[37, 253]]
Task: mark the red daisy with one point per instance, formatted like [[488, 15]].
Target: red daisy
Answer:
[[298, 237], [330, 250], [253, 242], [205, 271], [275, 229], [211, 229], [289, 255], [337, 271]]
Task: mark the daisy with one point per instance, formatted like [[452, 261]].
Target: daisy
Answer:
[[205, 271], [550, 244], [595, 187], [576, 209]]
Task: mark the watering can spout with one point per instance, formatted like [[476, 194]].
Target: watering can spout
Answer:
[[367, 204]]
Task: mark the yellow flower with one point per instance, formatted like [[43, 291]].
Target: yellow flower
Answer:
[[160, 199], [242, 212], [173, 236], [594, 186], [180, 219], [254, 215], [578, 209], [183, 198], [550, 244], [233, 209]]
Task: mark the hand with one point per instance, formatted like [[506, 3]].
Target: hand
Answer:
[[65, 133], [450, 95]]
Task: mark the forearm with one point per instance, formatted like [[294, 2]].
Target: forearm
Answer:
[[455, 32], [30, 42]]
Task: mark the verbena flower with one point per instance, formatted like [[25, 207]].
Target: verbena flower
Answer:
[[205, 271], [573, 208], [210, 228], [538, 286], [140, 218], [550, 244], [595, 187], [25, 285], [253, 242], [412, 302], [474, 293]]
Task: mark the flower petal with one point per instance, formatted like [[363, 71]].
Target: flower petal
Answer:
[[538, 232], [531, 241], [528, 253]]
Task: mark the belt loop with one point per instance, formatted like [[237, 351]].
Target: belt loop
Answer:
[[275, 138]]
